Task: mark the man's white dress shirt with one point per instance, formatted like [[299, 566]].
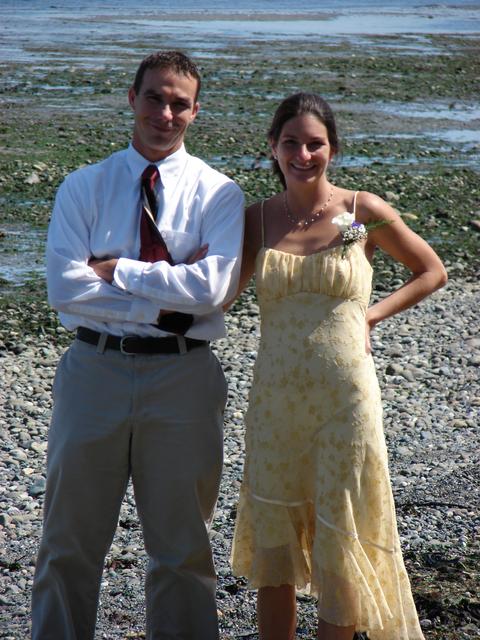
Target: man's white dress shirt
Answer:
[[97, 213]]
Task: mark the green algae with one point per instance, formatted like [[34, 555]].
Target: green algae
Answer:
[[61, 112]]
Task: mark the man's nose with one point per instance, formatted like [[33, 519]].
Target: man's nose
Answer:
[[166, 112]]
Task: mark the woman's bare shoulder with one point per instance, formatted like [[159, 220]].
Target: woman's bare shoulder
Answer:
[[371, 207], [255, 209]]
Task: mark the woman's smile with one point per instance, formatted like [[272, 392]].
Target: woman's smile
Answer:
[[303, 149]]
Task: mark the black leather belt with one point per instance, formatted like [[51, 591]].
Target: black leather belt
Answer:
[[132, 345]]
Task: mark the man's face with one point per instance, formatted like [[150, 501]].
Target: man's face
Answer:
[[164, 107]]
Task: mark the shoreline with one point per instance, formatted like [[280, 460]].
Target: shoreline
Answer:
[[55, 27]]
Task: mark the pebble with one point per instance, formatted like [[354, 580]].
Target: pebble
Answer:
[[426, 624], [33, 178], [426, 360]]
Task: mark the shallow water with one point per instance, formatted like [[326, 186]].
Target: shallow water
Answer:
[[455, 111], [33, 28], [456, 159], [22, 251], [468, 137]]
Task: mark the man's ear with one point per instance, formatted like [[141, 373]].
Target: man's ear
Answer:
[[131, 98], [195, 110]]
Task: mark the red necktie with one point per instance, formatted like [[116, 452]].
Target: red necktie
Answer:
[[152, 245]]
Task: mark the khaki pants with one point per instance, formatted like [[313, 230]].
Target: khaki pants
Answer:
[[158, 420]]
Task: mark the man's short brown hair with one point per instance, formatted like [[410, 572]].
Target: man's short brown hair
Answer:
[[175, 61]]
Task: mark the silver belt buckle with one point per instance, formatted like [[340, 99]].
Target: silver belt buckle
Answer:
[[122, 349]]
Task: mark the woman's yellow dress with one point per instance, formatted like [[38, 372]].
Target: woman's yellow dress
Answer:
[[316, 507]]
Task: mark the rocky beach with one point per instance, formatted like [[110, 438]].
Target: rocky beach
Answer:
[[408, 115]]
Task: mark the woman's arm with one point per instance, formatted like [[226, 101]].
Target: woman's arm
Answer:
[[405, 246], [252, 243]]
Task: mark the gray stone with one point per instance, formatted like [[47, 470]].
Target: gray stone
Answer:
[[37, 488]]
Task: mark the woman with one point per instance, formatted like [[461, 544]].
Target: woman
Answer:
[[316, 508]]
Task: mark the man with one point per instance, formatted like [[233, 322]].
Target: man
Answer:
[[139, 393]]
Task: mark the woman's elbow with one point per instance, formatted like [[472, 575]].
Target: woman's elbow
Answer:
[[438, 277], [442, 277]]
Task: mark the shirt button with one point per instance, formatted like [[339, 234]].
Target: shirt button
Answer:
[[163, 233]]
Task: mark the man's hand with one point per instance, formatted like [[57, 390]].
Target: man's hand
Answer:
[[199, 254], [104, 268]]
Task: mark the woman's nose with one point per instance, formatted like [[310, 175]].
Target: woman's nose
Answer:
[[304, 153]]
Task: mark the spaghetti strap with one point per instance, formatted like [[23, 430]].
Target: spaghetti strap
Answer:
[[355, 204], [261, 222]]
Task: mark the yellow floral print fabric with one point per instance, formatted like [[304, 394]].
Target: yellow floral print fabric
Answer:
[[316, 508]]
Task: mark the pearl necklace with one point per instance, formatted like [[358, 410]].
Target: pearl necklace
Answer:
[[316, 215]]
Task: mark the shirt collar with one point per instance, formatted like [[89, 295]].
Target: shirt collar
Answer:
[[169, 168]]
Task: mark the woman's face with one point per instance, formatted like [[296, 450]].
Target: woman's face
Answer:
[[303, 150]]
